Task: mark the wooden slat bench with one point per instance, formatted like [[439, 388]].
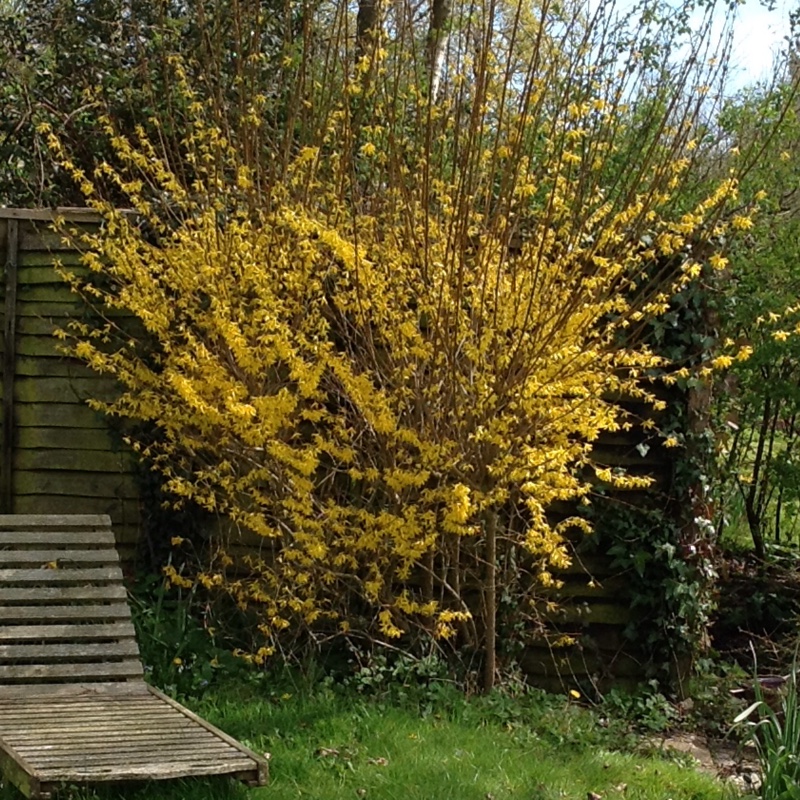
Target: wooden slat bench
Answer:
[[74, 706]]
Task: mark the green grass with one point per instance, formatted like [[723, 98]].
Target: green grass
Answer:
[[330, 744]]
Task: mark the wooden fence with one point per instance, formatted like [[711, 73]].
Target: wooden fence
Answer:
[[59, 456], [56, 454]]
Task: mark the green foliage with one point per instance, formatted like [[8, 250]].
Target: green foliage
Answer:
[[554, 720], [663, 543], [543, 748], [759, 600], [774, 729], [66, 62], [758, 403], [391, 679], [767, 601], [403, 678], [603, 155], [668, 582], [711, 705]]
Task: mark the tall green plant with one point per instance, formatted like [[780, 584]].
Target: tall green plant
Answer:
[[774, 729], [179, 652]]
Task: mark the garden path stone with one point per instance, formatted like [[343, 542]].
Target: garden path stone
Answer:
[[733, 763]]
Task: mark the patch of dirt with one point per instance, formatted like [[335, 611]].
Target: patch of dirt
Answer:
[[758, 607], [735, 764]]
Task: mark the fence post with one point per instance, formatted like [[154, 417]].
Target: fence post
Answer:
[[9, 368]]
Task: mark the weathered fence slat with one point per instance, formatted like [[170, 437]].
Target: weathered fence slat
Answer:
[[9, 366]]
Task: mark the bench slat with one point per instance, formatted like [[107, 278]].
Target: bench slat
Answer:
[[70, 652], [48, 594], [91, 736], [56, 717], [60, 724], [54, 521], [39, 576], [189, 752], [53, 778], [56, 672], [73, 613], [119, 630], [84, 538], [63, 558]]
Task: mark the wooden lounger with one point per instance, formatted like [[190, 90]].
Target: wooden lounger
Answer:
[[74, 706]]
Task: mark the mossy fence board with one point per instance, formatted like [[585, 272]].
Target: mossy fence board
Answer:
[[58, 456]]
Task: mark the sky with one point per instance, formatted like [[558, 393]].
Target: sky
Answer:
[[758, 37]]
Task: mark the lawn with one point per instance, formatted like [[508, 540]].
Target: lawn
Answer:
[[332, 743]]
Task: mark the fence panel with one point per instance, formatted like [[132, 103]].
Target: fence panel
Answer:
[[57, 455]]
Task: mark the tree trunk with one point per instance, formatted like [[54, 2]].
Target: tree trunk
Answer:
[[754, 523], [490, 602], [366, 26], [438, 38], [751, 500], [790, 442]]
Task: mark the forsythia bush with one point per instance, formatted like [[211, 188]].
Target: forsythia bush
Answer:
[[389, 355]]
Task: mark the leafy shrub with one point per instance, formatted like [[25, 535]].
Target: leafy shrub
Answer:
[[383, 343], [648, 710], [402, 678]]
